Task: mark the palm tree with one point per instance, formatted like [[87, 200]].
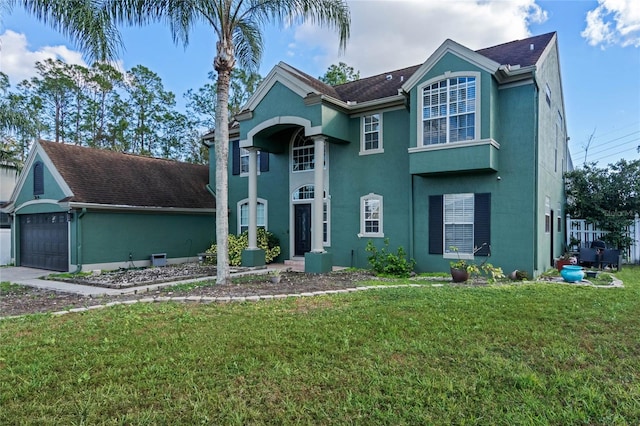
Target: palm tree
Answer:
[[237, 25]]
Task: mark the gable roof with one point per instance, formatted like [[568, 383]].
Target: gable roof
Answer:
[[97, 176], [524, 53], [519, 52]]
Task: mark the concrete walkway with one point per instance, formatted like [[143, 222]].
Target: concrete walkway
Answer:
[[34, 278]]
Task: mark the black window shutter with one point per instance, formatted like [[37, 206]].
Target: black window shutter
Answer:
[[482, 223], [38, 178], [235, 158], [264, 161], [435, 224]]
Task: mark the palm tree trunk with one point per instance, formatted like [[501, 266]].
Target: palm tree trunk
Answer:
[[222, 178]]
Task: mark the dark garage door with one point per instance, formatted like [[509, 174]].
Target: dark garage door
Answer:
[[43, 241]]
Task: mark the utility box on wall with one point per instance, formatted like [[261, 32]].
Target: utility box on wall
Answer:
[[159, 259]]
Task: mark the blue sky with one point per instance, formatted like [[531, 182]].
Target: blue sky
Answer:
[[599, 44]]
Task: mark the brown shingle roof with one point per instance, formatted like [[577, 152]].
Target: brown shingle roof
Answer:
[[113, 178], [519, 52], [380, 86]]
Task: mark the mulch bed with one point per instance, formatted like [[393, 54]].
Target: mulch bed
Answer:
[[27, 300]]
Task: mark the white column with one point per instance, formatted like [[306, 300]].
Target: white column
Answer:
[[635, 256], [253, 199], [318, 195]]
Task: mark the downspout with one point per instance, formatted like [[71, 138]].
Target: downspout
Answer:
[[79, 242], [536, 171], [411, 236], [211, 190]]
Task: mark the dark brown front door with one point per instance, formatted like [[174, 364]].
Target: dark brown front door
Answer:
[[302, 238]]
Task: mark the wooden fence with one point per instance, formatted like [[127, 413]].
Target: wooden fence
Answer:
[[586, 233]]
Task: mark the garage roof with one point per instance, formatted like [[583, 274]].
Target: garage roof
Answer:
[[98, 176]]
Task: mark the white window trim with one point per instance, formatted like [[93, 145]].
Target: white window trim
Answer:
[[294, 148], [266, 215], [245, 174], [547, 215], [478, 111], [327, 206], [380, 148], [450, 254], [363, 233]]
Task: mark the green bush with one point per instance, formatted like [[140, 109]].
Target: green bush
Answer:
[[384, 262], [237, 243]]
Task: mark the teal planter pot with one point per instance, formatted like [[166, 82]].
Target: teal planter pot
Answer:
[[572, 273]]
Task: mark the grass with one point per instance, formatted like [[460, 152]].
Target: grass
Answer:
[[8, 288], [512, 354]]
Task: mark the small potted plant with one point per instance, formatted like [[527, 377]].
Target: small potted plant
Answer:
[[275, 276], [566, 259], [461, 269]]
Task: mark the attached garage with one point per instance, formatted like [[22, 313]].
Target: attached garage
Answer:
[[44, 241], [81, 209]]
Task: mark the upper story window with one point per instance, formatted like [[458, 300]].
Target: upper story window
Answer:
[[38, 178], [244, 161], [371, 134], [547, 94], [240, 160], [449, 108], [302, 154]]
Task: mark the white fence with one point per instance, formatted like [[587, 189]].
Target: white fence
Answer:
[[586, 233]]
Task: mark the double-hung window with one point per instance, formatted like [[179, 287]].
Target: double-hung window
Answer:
[[371, 134], [244, 161], [449, 110], [240, 160], [371, 216], [458, 222], [243, 215], [462, 221]]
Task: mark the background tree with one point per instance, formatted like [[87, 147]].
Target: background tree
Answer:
[[151, 105], [608, 197], [339, 74]]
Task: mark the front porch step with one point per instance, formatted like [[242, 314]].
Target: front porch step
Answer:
[[295, 264]]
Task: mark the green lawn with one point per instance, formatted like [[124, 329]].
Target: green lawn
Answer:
[[512, 355]]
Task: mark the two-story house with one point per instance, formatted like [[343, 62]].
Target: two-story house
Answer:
[[465, 150]]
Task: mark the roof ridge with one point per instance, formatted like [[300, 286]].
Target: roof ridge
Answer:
[[107, 151], [515, 41]]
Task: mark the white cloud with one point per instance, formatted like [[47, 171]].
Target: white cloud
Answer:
[[613, 22], [18, 61], [392, 34]]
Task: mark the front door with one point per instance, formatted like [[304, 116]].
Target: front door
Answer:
[[302, 238]]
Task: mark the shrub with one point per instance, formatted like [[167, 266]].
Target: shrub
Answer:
[[384, 262], [237, 243]]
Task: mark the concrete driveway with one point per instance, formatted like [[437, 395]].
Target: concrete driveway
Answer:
[[19, 274], [33, 278]]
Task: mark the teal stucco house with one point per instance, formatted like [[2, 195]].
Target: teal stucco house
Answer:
[[465, 150], [76, 208]]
